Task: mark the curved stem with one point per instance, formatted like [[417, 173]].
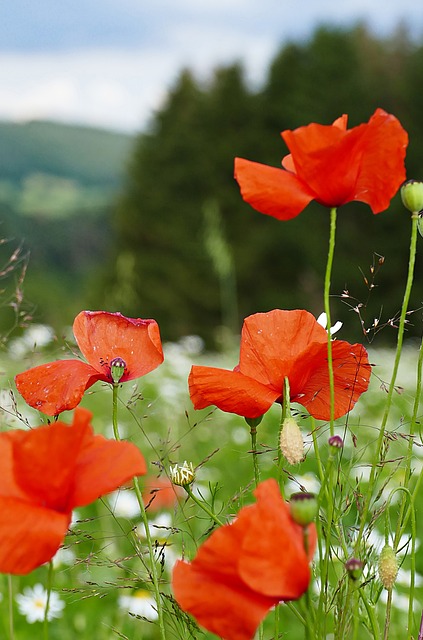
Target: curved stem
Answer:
[[49, 584], [400, 336], [153, 566], [328, 275]]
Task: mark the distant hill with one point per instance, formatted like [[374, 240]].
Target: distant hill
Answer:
[[53, 169], [90, 156]]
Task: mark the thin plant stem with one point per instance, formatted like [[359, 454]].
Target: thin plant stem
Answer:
[[11, 618], [400, 336], [202, 506], [153, 568], [253, 434], [49, 585], [326, 295]]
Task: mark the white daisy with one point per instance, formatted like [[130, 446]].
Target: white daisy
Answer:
[[33, 601], [140, 603], [323, 321], [124, 504]]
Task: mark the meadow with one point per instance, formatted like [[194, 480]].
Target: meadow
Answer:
[[101, 575]]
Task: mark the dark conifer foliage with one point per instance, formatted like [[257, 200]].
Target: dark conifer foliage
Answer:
[[163, 267]]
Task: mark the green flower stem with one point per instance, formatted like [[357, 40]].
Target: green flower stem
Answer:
[[153, 569], [328, 276], [253, 434], [400, 336], [11, 619], [202, 506], [49, 585]]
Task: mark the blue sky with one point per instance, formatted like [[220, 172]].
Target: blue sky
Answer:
[[110, 62]]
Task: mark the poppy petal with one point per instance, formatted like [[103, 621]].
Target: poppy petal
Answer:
[[103, 336], [57, 386], [227, 593], [102, 465], [351, 370], [273, 342], [30, 535], [274, 192], [231, 391], [280, 570], [382, 168]]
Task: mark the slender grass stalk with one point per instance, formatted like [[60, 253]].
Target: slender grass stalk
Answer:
[[153, 566], [400, 336]]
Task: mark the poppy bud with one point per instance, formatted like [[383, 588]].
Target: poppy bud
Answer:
[[182, 475], [412, 195], [354, 568], [117, 369], [336, 442], [388, 567], [291, 441], [303, 507]]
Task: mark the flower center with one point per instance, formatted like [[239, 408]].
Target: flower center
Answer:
[[117, 369]]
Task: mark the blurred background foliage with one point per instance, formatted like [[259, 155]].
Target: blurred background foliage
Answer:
[[154, 225]]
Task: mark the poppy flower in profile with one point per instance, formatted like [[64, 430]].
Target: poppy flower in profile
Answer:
[[108, 341], [246, 567], [281, 344], [330, 164], [46, 473]]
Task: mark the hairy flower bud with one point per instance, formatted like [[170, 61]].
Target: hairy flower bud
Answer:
[[291, 441], [182, 475], [412, 195], [303, 507], [388, 567]]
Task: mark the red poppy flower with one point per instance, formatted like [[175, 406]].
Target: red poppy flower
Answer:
[[283, 344], [104, 339], [331, 164], [246, 567], [46, 473]]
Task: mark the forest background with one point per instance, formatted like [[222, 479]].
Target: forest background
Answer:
[[154, 226]]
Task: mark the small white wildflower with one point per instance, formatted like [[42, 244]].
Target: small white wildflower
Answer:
[[323, 321], [140, 603], [33, 601]]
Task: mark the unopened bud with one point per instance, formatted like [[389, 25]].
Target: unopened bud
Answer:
[[354, 568], [412, 195], [291, 441], [336, 442], [182, 475], [303, 507], [388, 567], [117, 369]]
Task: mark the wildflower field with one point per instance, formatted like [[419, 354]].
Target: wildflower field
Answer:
[[271, 490]]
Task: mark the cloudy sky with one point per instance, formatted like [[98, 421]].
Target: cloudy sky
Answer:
[[109, 63]]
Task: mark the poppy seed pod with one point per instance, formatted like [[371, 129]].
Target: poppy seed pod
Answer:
[[291, 441], [388, 567], [412, 195], [303, 507]]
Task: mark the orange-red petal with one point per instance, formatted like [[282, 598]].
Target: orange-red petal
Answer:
[[351, 370], [57, 386], [221, 588], [30, 535], [230, 391], [101, 465], [103, 336], [274, 192]]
